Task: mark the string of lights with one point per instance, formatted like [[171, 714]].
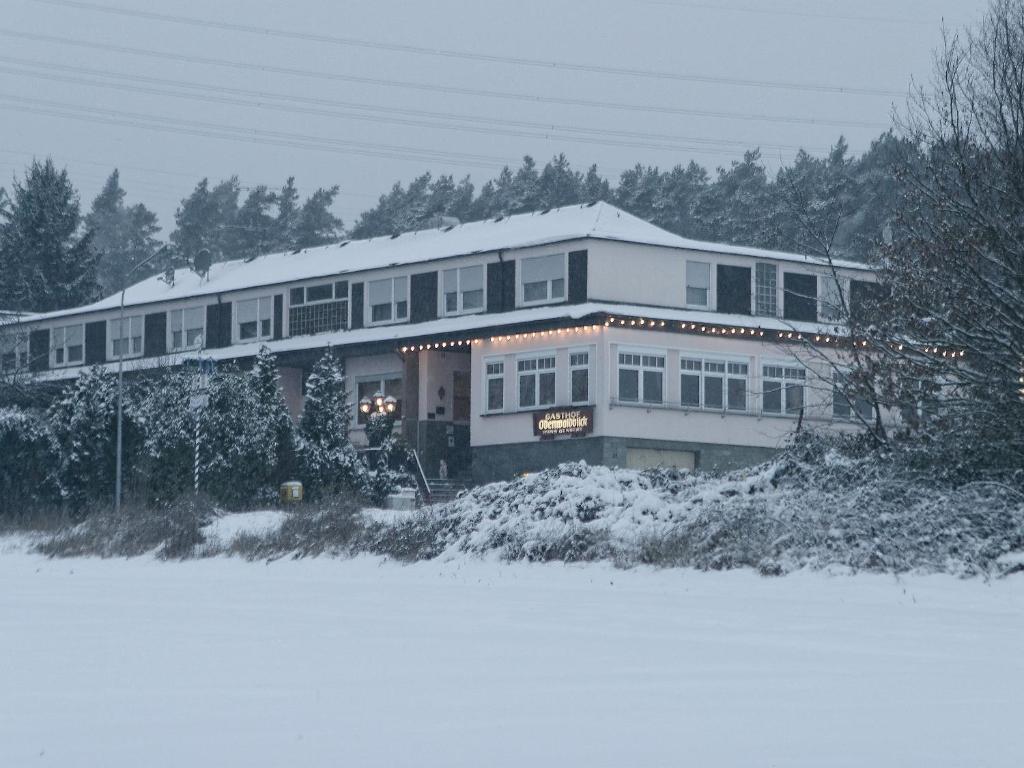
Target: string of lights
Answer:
[[652, 324]]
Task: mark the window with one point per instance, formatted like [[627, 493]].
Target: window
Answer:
[[318, 308], [186, 327], [389, 300], [733, 295], [255, 318], [68, 344], [579, 377], [463, 289], [388, 385], [831, 298], [543, 278], [801, 296], [713, 384], [536, 381], [641, 377], [845, 403], [494, 385], [766, 283], [698, 284], [782, 389], [125, 337], [13, 352]]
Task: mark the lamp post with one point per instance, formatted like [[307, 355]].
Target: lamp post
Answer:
[[120, 375]]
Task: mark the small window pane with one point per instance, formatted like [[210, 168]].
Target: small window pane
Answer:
[[495, 394], [558, 288], [527, 391], [547, 388], [772, 397], [689, 386], [737, 394], [713, 392], [320, 292], [296, 296], [472, 278], [794, 398], [473, 299], [652, 386], [629, 385], [535, 291], [580, 385], [379, 292], [380, 312]]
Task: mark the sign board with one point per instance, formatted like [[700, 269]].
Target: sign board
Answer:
[[558, 422]]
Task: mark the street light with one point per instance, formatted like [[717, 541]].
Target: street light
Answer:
[[378, 404], [120, 374]]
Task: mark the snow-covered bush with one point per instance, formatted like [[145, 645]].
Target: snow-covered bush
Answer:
[[328, 462], [29, 465], [165, 469]]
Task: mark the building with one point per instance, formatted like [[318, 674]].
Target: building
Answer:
[[510, 344]]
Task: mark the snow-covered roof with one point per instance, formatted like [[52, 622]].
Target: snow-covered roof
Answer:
[[595, 220], [466, 326]]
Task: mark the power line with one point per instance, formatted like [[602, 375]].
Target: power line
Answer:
[[550, 133], [467, 55], [429, 87], [776, 11], [446, 116]]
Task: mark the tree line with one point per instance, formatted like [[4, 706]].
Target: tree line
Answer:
[[54, 255]]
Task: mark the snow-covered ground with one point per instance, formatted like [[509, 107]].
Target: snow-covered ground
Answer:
[[471, 662]]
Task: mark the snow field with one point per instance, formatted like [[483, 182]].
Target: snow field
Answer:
[[471, 662]]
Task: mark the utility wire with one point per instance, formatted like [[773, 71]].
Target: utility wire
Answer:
[[429, 87], [467, 55]]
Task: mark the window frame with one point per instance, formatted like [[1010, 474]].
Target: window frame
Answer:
[[789, 369], [236, 329], [336, 297], [15, 343], [490, 376], [535, 374], [727, 374], [773, 291], [184, 330], [642, 366], [116, 322], [392, 318], [575, 366], [709, 303], [549, 299], [460, 292], [64, 347]]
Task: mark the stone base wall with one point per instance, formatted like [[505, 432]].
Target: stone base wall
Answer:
[[503, 462]]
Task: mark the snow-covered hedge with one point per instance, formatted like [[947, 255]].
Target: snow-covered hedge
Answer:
[[782, 515], [28, 463]]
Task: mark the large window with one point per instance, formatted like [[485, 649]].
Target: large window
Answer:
[[542, 279], [389, 300], [68, 345], [766, 294], [463, 289], [733, 294], [579, 376], [13, 351], [536, 381], [387, 385], [641, 377], [255, 318], [782, 389], [318, 308], [125, 337], [848, 405], [494, 385], [800, 300], [698, 284], [713, 384], [186, 327]]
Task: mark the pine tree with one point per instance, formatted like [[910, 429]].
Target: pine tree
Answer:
[[735, 209], [329, 462], [316, 224], [257, 229], [123, 236], [287, 216], [559, 184], [271, 409], [44, 263], [207, 219]]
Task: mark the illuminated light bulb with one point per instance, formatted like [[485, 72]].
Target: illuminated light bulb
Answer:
[[662, 324]]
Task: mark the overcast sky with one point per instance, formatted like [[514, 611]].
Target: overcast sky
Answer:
[[362, 94]]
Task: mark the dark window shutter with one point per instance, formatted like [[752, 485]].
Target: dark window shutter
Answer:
[[154, 341], [423, 293], [577, 277], [508, 286], [800, 297], [734, 289], [39, 350], [357, 305], [225, 324], [278, 315], [96, 342], [218, 325], [494, 287], [865, 297]]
